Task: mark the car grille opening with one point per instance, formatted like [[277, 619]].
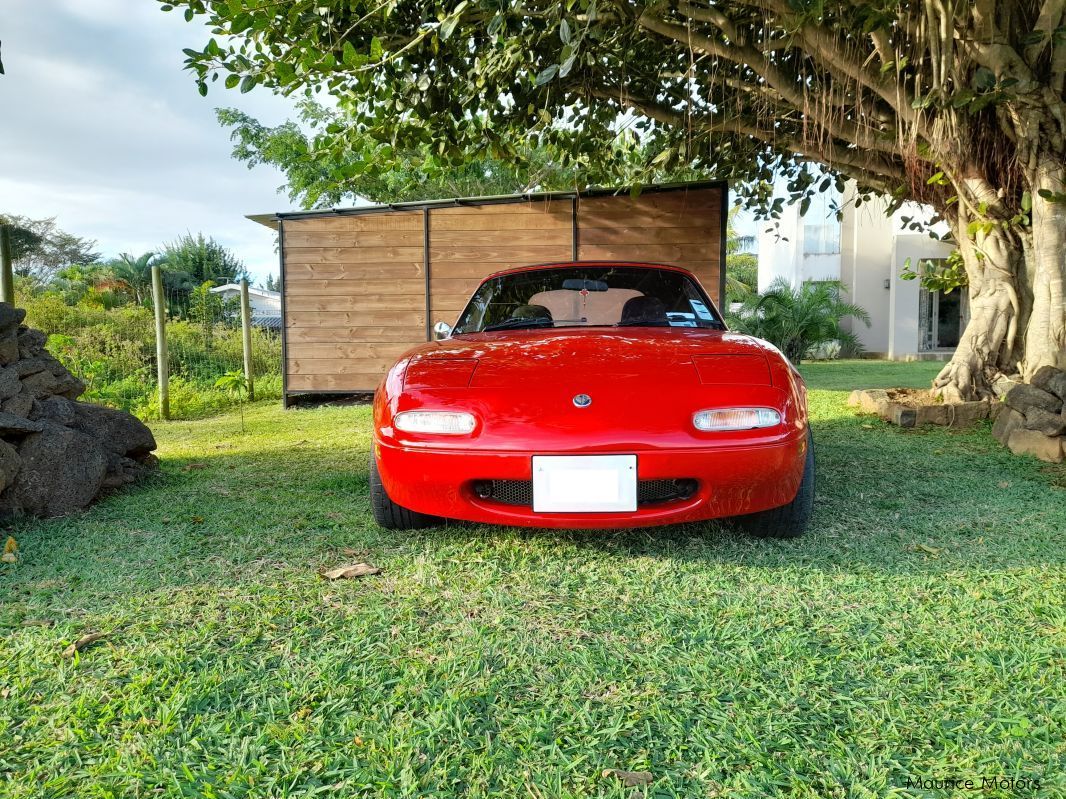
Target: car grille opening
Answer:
[[649, 492]]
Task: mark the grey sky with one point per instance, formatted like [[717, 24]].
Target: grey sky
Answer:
[[102, 128]]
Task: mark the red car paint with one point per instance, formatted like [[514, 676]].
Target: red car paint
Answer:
[[647, 382]]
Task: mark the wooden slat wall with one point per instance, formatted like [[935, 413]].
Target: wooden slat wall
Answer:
[[682, 228], [354, 298], [469, 242], [355, 284]]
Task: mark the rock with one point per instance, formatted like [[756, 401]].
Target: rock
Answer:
[[31, 366], [123, 471], [10, 463], [1023, 397], [967, 414], [54, 409], [1046, 422], [10, 317], [20, 404], [901, 415], [12, 425], [9, 348], [31, 343], [1051, 380], [9, 383], [1030, 442], [117, 431], [931, 414], [62, 471], [1007, 422], [872, 400], [40, 384], [1004, 383]]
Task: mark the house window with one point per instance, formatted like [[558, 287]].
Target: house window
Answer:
[[821, 228]]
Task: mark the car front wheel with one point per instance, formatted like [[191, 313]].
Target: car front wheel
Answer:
[[390, 515], [791, 520]]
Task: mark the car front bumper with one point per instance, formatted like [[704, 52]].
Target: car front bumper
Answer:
[[732, 480]]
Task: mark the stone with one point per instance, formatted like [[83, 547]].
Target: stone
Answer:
[[1046, 422], [62, 471], [873, 400], [10, 463], [931, 414], [901, 415], [10, 317], [31, 366], [1051, 380], [40, 384], [31, 343], [967, 414], [1007, 422], [20, 405], [1004, 383], [54, 409], [1024, 397], [12, 425], [1031, 442], [9, 383], [118, 432], [9, 348]]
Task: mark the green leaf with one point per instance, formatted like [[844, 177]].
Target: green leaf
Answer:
[[284, 72], [1033, 37], [984, 78], [348, 53], [495, 24], [232, 80], [248, 84], [567, 65], [564, 31], [201, 86], [546, 75], [377, 49], [447, 28]]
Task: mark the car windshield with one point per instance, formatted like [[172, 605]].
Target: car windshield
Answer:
[[576, 296]]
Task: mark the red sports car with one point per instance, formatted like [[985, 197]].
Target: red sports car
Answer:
[[592, 395]]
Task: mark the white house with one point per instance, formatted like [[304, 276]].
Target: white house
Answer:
[[867, 251], [265, 305]]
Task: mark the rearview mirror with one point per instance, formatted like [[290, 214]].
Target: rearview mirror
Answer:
[[577, 284], [441, 330]]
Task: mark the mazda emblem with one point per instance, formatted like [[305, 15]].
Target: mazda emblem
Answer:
[[582, 400]]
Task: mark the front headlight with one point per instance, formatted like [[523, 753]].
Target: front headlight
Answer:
[[724, 419], [445, 423]]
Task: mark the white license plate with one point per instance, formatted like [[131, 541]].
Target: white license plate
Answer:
[[584, 483]]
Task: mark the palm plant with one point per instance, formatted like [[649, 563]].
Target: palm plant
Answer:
[[797, 319], [134, 273], [742, 270], [236, 384]]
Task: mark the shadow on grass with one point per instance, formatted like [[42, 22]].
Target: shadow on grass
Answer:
[[889, 501]]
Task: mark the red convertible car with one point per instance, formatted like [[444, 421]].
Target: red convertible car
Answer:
[[592, 395]]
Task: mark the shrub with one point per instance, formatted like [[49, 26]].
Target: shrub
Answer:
[[796, 320]]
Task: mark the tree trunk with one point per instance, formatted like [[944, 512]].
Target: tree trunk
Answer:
[[1045, 336], [990, 344]]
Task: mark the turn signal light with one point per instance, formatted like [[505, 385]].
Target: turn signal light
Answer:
[[445, 423], [725, 419]]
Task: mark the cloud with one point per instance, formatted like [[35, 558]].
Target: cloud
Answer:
[[106, 132]]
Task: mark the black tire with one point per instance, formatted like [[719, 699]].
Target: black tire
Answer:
[[390, 515], [787, 521]]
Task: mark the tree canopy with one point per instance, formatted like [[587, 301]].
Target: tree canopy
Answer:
[[956, 104], [39, 249]]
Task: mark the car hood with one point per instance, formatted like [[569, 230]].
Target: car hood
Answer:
[[665, 355]]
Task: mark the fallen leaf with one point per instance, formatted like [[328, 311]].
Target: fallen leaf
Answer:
[[11, 546], [8, 557], [1004, 484], [629, 778], [188, 467], [38, 623], [5, 693], [197, 519], [927, 549], [82, 643], [354, 553], [351, 571]]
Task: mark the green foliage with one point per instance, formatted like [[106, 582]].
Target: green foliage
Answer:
[[202, 259], [741, 276], [796, 320], [943, 276]]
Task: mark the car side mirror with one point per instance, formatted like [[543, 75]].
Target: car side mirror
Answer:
[[441, 330]]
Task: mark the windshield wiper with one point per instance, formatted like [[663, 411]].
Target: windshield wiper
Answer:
[[515, 324]]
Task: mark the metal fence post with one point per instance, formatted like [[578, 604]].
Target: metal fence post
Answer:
[[7, 274], [161, 355], [246, 330]]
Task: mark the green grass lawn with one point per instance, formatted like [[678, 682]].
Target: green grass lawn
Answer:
[[918, 631]]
